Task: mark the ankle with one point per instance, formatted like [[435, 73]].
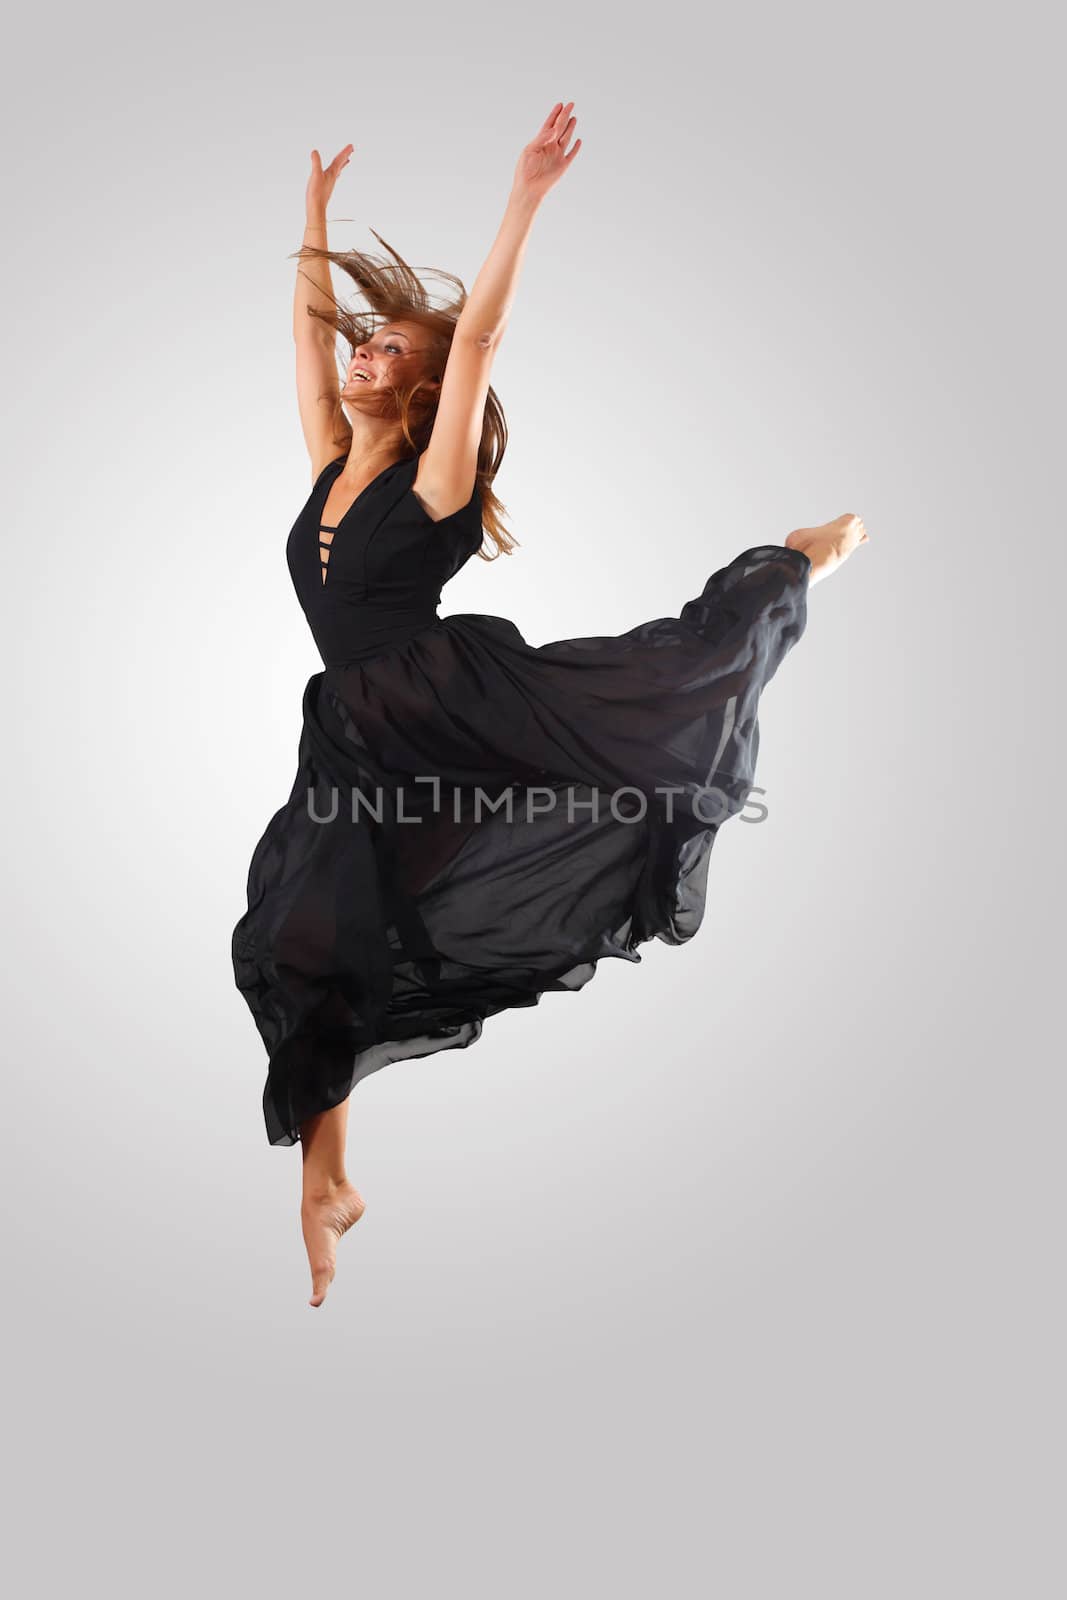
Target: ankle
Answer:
[[824, 557], [320, 1186]]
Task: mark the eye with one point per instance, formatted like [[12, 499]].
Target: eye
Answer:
[[395, 347]]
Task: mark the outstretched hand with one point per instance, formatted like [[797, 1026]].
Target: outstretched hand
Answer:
[[546, 158], [322, 180]]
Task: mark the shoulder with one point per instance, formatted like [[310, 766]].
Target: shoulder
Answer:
[[320, 466], [441, 498]]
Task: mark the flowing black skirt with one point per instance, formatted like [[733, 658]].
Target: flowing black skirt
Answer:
[[476, 821]]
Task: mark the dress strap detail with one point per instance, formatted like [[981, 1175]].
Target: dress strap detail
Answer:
[[325, 544]]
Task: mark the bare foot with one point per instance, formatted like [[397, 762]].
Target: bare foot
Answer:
[[827, 547], [324, 1219]]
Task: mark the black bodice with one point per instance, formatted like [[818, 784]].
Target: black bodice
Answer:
[[377, 579]]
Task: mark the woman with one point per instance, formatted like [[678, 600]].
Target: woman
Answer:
[[474, 821]]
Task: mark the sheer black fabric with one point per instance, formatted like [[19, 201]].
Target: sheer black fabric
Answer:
[[476, 821]]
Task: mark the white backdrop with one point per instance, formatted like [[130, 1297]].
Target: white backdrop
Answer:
[[759, 1302]]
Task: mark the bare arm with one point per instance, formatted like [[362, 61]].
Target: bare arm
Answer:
[[316, 363], [313, 283], [541, 165], [488, 306], [448, 471]]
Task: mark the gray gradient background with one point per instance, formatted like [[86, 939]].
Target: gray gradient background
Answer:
[[738, 1272]]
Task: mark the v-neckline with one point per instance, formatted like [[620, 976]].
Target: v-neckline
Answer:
[[332, 527]]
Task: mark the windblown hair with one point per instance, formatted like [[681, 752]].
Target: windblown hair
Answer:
[[395, 293]]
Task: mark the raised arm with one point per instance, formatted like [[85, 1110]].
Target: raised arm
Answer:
[[317, 386], [448, 469]]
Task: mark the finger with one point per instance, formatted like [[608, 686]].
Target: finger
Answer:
[[562, 115], [568, 130], [549, 121], [569, 157]]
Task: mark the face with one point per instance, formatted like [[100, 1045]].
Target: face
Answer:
[[392, 357]]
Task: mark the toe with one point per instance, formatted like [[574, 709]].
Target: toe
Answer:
[[320, 1282]]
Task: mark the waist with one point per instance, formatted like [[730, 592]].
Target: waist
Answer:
[[345, 643]]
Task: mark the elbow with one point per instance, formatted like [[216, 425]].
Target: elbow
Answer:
[[479, 341], [311, 333], [479, 334]]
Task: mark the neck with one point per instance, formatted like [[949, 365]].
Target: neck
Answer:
[[375, 442]]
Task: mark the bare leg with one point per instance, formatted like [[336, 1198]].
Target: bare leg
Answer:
[[330, 1204]]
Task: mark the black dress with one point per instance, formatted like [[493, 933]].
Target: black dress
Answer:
[[476, 821]]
